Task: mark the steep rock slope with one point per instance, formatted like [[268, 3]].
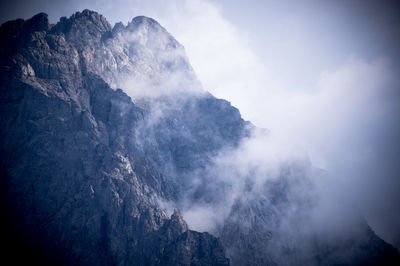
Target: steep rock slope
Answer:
[[77, 186]]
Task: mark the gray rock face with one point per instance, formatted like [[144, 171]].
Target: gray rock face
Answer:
[[76, 183], [86, 168]]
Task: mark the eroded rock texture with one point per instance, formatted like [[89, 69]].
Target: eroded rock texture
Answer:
[[79, 184]]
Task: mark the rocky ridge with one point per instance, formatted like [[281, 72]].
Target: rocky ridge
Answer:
[[78, 186]]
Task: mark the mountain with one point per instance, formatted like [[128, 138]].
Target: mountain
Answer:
[[106, 137]]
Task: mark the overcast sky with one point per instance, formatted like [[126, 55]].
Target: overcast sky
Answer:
[[321, 75]]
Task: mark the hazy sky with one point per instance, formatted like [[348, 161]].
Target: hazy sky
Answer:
[[321, 75]]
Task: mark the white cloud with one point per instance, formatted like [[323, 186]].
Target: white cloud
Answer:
[[343, 120]]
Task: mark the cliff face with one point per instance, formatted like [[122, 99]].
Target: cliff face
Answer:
[[79, 183], [86, 170]]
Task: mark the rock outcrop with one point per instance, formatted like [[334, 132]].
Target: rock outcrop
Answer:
[[77, 186]]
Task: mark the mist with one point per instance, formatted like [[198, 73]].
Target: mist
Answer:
[[328, 101]]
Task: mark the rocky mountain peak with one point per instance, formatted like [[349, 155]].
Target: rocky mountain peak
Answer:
[[39, 22], [83, 28], [90, 17], [118, 27], [17, 33], [177, 221], [152, 34], [144, 22]]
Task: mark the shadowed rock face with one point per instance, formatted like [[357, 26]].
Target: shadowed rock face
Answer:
[[85, 168], [77, 186]]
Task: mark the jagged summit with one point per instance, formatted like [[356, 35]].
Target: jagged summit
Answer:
[[89, 16], [144, 20], [118, 27], [83, 28], [143, 52], [39, 22]]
